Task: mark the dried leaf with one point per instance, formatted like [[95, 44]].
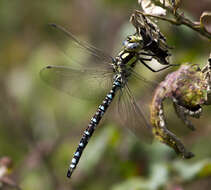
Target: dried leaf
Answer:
[[150, 8]]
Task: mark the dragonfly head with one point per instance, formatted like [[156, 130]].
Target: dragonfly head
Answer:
[[133, 43]]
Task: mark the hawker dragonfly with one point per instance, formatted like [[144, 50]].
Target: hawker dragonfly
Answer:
[[136, 49]]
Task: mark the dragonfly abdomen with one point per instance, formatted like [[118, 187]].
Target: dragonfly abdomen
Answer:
[[92, 125]]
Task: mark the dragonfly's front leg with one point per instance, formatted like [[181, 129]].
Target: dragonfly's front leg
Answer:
[[147, 54], [150, 68]]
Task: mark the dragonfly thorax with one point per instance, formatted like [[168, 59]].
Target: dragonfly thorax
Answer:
[[120, 80]]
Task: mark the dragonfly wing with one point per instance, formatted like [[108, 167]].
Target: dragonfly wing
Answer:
[[134, 115], [73, 47], [87, 72], [83, 83], [135, 112]]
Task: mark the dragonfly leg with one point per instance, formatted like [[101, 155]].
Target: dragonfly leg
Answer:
[[151, 69], [147, 54], [146, 59]]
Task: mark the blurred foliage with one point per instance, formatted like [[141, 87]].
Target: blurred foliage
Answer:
[[40, 127]]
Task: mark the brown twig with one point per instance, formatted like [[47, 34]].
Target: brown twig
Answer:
[[180, 19]]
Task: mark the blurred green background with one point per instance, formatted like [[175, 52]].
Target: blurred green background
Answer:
[[40, 127]]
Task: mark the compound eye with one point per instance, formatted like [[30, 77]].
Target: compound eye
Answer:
[[132, 46]]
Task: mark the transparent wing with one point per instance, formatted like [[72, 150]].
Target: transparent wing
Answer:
[[78, 51], [134, 116], [87, 71], [135, 112], [83, 83]]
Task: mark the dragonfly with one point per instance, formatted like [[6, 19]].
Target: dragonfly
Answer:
[[135, 49]]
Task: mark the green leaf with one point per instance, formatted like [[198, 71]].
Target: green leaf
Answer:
[[192, 170]]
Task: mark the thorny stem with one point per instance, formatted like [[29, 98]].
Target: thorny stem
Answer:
[[180, 19]]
